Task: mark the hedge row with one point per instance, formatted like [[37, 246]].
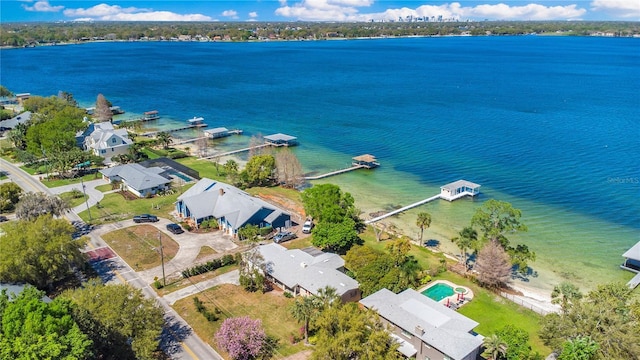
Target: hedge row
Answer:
[[209, 266]]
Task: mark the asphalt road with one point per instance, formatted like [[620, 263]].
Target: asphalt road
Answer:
[[178, 340]]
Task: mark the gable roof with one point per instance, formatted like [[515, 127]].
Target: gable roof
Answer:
[[103, 131], [444, 329], [18, 119], [298, 267], [137, 176], [210, 198]]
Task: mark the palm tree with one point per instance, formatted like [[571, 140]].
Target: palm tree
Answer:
[[494, 347], [328, 296], [423, 221], [164, 138], [304, 309], [466, 239]]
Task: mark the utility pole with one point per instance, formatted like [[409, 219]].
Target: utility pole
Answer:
[[164, 280], [86, 200]]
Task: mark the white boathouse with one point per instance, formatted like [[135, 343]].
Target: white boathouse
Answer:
[[458, 189]]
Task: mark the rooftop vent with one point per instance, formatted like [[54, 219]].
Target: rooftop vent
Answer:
[[303, 265], [419, 330]]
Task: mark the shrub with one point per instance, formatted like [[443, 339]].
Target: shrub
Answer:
[[211, 317], [288, 295], [209, 224], [209, 266]]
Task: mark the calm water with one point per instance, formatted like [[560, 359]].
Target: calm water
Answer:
[[548, 124]]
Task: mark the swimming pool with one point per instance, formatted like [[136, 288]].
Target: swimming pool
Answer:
[[180, 175], [438, 291]]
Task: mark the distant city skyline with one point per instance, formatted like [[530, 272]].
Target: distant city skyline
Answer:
[[316, 10]]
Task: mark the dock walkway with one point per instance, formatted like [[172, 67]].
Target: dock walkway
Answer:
[[405, 208], [322, 176], [186, 141], [186, 127], [236, 151], [633, 283]]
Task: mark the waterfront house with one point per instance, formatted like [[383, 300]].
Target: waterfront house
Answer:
[[425, 328], [14, 121], [230, 206], [105, 141], [305, 271], [138, 179]]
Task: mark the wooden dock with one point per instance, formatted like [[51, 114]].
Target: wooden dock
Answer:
[[236, 151], [633, 283], [186, 127], [405, 208], [449, 192], [341, 171], [186, 141]]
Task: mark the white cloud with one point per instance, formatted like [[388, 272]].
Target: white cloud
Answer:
[[347, 10], [253, 14], [42, 6], [230, 13], [620, 8], [105, 12]]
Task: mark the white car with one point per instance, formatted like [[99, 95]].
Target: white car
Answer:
[[308, 225]]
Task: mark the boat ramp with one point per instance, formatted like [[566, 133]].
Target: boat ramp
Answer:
[[450, 192]]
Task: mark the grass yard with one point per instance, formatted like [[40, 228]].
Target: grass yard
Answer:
[[205, 253], [205, 168], [72, 200], [183, 283], [113, 207], [55, 183], [104, 188], [272, 308], [137, 246]]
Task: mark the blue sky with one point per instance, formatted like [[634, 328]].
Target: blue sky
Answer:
[[315, 10]]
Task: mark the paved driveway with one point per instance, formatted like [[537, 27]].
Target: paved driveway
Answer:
[[190, 245]]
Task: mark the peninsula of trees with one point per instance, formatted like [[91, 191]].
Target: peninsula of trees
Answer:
[[34, 34]]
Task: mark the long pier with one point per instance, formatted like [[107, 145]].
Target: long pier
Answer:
[[405, 208], [237, 151], [452, 191], [341, 171], [186, 127], [189, 140]]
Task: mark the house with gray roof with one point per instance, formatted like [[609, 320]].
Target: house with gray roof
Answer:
[[105, 141], [425, 328], [304, 272], [14, 121], [138, 179], [230, 206]]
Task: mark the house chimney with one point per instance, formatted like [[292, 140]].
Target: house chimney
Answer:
[[419, 330], [221, 192]]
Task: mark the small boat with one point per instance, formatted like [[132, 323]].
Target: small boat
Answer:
[[195, 120]]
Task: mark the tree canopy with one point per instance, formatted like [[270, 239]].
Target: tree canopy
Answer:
[[34, 205], [327, 203], [346, 332], [38, 252], [336, 237], [9, 196], [259, 170], [608, 316], [33, 329], [242, 337], [493, 266], [122, 322]]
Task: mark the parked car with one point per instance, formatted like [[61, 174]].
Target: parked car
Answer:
[[175, 228], [3, 218], [308, 225], [283, 236], [145, 218]]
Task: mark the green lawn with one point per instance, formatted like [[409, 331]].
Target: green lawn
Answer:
[[104, 188], [233, 301], [73, 201], [205, 168], [114, 207], [138, 246]]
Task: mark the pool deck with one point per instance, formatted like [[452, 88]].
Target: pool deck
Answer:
[[452, 301]]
